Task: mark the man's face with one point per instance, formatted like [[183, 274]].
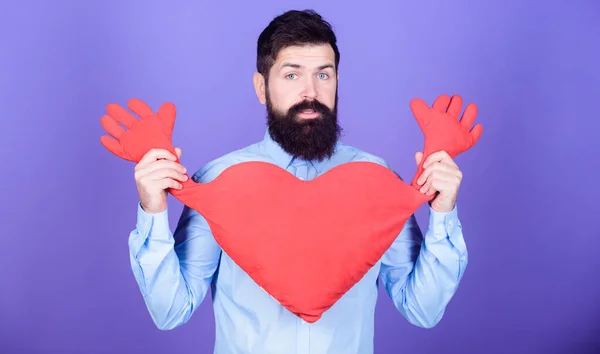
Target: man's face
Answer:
[[301, 99]]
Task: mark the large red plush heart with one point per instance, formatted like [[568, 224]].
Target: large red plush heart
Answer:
[[306, 243]]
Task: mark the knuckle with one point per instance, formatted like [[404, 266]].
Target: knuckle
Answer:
[[143, 181]]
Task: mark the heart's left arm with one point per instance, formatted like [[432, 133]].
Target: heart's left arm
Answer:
[[422, 274]]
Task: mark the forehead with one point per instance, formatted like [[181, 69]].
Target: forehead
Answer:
[[306, 56]]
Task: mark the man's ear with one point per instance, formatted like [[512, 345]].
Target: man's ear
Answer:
[[259, 87]]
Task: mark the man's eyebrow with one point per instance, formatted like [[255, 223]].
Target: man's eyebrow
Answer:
[[290, 65], [326, 66], [298, 66]]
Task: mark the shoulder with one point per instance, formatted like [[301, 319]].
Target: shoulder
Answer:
[[215, 167], [348, 153]]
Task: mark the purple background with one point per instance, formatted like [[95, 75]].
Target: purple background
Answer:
[[529, 199]]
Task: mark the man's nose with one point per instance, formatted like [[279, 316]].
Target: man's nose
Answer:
[[310, 91]]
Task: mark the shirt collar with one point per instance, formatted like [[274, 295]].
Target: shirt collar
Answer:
[[282, 158]]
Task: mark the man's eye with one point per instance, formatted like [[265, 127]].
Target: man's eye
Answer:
[[323, 76], [291, 76]]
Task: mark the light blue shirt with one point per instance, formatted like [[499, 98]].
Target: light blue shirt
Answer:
[[174, 272]]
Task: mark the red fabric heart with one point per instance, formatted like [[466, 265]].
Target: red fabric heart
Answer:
[[305, 255]]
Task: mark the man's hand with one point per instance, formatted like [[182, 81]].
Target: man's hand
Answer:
[[157, 171], [440, 175]]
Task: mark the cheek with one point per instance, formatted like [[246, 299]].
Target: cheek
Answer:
[[327, 94], [284, 96]]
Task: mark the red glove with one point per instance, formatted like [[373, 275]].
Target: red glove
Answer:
[[442, 129], [306, 266]]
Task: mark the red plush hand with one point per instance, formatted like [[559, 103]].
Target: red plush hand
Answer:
[[151, 131], [442, 129]]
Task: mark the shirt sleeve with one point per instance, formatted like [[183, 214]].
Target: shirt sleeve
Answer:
[[173, 270], [422, 274]]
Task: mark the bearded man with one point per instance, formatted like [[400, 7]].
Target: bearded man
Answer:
[[297, 81]]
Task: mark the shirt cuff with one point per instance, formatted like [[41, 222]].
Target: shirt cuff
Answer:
[[155, 226], [442, 225]]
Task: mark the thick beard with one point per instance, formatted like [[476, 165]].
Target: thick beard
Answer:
[[309, 139]]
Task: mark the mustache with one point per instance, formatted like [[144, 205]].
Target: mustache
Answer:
[[314, 105]]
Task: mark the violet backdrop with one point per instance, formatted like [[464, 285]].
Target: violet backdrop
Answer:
[[528, 202]]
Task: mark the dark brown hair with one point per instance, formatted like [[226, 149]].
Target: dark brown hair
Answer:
[[293, 28]]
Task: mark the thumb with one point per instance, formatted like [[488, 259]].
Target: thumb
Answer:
[[418, 157], [167, 113], [420, 109], [178, 152]]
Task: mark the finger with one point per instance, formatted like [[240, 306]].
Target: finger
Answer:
[[112, 145], [439, 167], [163, 164], [455, 106], [432, 191], [476, 132], [168, 183], [140, 108], [438, 156], [167, 113], [441, 186], [121, 115], [441, 103], [154, 155], [167, 173], [418, 157], [468, 117], [111, 126], [434, 182]]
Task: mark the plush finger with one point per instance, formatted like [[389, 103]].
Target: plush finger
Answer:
[[441, 103], [455, 106], [111, 126], [468, 117], [140, 108], [121, 115], [112, 145], [167, 113], [419, 109], [476, 132]]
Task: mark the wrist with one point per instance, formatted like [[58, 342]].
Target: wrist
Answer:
[[153, 209]]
